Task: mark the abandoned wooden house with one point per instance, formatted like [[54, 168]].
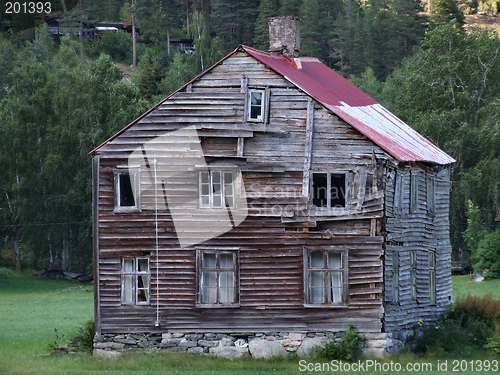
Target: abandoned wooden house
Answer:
[[267, 203]]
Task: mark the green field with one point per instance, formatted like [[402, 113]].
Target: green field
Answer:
[[36, 314]]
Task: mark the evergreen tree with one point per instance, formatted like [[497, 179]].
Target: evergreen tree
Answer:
[[309, 32], [267, 8], [293, 8]]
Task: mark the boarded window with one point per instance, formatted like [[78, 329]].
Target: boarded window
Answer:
[[326, 277], [217, 275], [395, 276], [216, 189], [127, 190], [398, 191], [414, 191], [431, 206], [136, 277], [413, 274], [432, 276], [328, 189]]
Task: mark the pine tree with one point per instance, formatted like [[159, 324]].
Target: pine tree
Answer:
[[309, 32], [267, 8]]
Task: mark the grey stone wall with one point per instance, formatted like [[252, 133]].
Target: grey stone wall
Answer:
[[257, 345]]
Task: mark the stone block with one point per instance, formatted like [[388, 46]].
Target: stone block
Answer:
[[297, 336], [166, 336], [290, 343], [229, 352], [184, 343], [194, 336], [196, 350], [308, 345], [226, 342], [177, 335], [270, 338], [260, 348], [376, 343], [103, 345], [375, 352], [208, 343]]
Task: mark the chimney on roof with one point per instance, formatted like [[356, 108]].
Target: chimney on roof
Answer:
[[284, 35]]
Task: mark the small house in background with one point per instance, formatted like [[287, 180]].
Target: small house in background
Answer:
[[265, 204], [497, 217]]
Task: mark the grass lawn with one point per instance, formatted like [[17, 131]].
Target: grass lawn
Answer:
[[32, 309]]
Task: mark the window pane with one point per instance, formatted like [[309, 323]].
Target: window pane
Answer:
[[209, 289], [432, 259], [316, 260], [209, 261], [228, 189], [226, 260], [128, 265], [317, 287], [334, 261], [319, 189], [205, 177], [336, 287], [216, 189], [337, 190], [142, 288], [256, 98], [126, 193], [128, 289], [143, 265], [227, 294]]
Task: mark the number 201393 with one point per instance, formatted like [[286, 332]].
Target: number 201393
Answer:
[[31, 7]]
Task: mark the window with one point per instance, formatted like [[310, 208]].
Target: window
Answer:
[[216, 189], [217, 277], [395, 276], [432, 276], [136, 276], [414, 191], [256, 105], [127, 190], [413, 274], [328, 189], [326, 277], [431, 207], [398, 191]]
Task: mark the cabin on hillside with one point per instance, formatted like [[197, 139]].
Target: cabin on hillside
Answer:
[[263, 205]]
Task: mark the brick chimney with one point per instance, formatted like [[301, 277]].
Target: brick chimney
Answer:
[[284, 35]]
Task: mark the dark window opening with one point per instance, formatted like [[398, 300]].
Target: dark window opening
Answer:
[[126, 192], [319, 190], [328, 190], [337, 190]]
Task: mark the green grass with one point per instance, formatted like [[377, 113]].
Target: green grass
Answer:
[[32, 308], [463, 284]]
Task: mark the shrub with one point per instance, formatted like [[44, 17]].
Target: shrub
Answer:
[[349, 348], [84, 339], [487, 257], [462, 331]]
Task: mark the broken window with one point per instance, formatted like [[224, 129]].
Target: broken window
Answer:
[[432, 276], [413, 274], [431, 207], [217, 275], [257, 105], [126, 190], [136, 276], [216, 189], [326, 277], [328, 189]]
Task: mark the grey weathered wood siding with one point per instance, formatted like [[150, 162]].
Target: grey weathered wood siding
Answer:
[[418, 230], [279, 226]]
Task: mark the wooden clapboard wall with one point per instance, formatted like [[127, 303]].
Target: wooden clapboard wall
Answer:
[[275, 158]]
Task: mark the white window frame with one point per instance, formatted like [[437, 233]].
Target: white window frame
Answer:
[[226, 195], [200, 269], [135, 178], [328, 188], [263, 117], [327, 301], [137, 276]]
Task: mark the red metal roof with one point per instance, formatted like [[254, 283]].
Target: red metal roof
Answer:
[[348, 102], [354, 106]]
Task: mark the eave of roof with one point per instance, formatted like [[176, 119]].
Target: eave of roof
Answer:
[[346, 101]]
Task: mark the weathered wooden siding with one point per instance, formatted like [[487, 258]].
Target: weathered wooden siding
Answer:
[[418, 230], [279, 225]]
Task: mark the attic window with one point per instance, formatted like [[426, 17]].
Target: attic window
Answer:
[[126, 190], [328, 189], [257, 105]]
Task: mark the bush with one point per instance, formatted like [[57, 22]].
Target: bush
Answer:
[[84, 339], [487, 257], [463, 331], [349, 348], [118, 45]]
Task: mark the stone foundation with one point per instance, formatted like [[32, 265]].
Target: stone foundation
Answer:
[[257, 345]]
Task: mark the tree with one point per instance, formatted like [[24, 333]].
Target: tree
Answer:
[[487, 258], [309, 15], [267, 8]]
